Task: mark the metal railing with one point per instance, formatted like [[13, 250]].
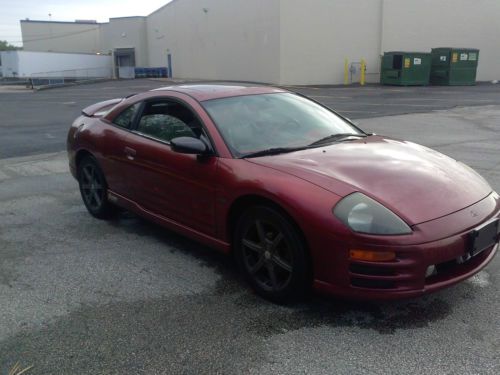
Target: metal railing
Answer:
[[63, 77]]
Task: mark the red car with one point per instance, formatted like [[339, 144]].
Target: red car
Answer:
[[299, 194]]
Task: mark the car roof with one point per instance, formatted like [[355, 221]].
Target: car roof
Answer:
[[202, 92]]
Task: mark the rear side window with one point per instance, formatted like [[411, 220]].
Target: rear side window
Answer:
[[125, 119]]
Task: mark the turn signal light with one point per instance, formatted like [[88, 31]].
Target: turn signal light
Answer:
[[372, 256]]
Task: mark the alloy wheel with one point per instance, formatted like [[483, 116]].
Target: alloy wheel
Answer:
[[267, 256], [92, 187]]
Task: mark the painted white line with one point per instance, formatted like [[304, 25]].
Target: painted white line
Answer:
[[330, 97], [398, 104], [341, 111], [444, 99], [357, 89], [451, 92], [301, 87]]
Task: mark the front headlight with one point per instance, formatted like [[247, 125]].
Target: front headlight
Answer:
[[365, 215]]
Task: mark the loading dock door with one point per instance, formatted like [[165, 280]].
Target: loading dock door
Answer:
[[125, 62]]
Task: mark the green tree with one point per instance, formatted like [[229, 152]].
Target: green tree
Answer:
[[5, 46]]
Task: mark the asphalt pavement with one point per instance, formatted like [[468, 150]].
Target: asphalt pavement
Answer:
[[84, 296], [37, 122]]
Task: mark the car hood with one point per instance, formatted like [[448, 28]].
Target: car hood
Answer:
[[415, 182]]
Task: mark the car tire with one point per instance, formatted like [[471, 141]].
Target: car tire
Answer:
[[94, 189], [272, 255]]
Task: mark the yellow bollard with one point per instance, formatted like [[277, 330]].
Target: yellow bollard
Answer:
[[363, 72], [346, 72]]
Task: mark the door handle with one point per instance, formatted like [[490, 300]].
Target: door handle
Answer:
[[130, 152]]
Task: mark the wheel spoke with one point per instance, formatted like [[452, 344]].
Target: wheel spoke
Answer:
[[257, 266], [272, 275], [260, 231], [281, 263], [88, 196], [277, 241], [88, 176], [97, 198], [252, 246]]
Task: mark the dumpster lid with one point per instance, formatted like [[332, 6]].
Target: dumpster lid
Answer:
[[456, 48], [407, 53]]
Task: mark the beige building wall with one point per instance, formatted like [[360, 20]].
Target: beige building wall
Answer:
[[126, 32], [318, 35], [217, 39], [424, 24], [49, 36], [282, 41]]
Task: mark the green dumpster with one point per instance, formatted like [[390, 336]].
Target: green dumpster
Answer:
[[405, 68], [454, 66]]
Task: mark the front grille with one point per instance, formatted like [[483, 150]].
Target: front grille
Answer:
[[370, 270]]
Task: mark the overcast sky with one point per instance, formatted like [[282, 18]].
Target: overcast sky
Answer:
[[11, 11]]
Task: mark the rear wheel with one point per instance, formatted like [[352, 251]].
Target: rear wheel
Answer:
[[272, 255], [94, 189]]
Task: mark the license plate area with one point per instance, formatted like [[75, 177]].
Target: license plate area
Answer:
[[484, 237]]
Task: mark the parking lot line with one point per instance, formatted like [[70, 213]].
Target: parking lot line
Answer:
[[357, 111], [397, 104], [445, 99], [330, 97]]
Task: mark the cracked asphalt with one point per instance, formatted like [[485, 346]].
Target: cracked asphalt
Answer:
[[83, 296]]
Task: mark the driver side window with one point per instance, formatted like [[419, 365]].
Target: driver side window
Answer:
[[165, 120]]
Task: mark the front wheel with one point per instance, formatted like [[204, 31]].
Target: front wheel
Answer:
[[94, 189], [272, 255]]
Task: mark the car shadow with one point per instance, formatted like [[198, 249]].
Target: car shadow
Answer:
[[318, 310]]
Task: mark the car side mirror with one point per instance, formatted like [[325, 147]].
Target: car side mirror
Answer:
[[189, 145]]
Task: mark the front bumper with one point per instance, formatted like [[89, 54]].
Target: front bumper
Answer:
[[408, 276]]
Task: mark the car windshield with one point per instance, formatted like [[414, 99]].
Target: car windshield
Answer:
[[279, 122]]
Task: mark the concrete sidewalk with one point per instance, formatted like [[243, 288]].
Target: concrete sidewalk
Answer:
[[37, 165]]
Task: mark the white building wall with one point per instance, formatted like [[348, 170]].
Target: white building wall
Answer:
[[9, 63], [217, 39], [46, 36], [426, 24], [49, 64], [318, 35]]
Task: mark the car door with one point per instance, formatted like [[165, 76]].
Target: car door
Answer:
[[176, 186], [114, 143]]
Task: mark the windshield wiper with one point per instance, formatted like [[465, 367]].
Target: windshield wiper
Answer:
[[336, 137], [273, 151], [283, 150]]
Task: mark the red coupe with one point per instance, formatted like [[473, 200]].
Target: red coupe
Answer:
[[301, 196]]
